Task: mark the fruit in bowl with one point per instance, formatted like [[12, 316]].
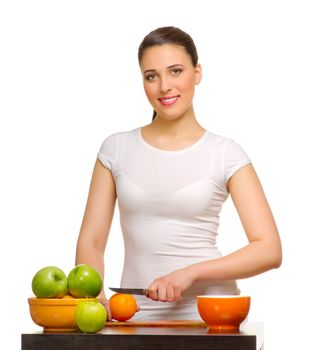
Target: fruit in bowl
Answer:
[[223, 312], [84, 281], [55, 314], [49, 282]]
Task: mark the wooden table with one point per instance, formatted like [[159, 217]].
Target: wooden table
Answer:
[[249, 337]]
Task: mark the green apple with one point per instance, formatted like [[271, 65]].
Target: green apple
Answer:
[[90, 316], [49, 282], [84, 281]]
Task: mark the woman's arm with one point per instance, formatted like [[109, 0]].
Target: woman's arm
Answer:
[[262, 253], [97, 222]]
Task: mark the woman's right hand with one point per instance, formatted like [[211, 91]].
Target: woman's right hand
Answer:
[[105, 302]]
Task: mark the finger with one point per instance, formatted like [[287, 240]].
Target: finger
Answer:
[[108, 311], [170, 295], [105, 303], [178, 294], [153, 294], [162, 292]]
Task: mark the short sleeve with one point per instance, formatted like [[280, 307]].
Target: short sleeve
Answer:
[[108, 152], [234, 158]]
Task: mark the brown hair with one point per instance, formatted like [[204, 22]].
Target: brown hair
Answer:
[[168, 35]]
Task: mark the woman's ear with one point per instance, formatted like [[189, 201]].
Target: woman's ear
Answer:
[[198, 74]]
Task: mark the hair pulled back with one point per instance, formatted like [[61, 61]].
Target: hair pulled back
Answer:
[[168, 35]]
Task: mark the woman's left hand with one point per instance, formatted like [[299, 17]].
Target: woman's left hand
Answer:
[[171, 286]]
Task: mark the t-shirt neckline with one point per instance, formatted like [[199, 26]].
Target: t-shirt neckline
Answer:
[[182, 150]]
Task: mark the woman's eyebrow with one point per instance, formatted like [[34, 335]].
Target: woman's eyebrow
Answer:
[[169, 67], [149, 70]]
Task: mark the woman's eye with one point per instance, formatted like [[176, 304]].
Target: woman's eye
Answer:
[[176, 71], [150, 77]]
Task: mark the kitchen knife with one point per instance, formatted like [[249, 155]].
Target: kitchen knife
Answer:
[[137, 291]]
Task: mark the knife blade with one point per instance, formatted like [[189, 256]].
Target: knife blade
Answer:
[[137, 291]]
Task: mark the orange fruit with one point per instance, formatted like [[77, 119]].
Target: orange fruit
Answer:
[[67, 296], [122, 306]]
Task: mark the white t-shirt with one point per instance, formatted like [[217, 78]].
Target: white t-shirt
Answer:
[[169, 204]]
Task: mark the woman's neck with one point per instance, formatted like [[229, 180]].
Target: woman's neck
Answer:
[[176, 128], [173, 134]]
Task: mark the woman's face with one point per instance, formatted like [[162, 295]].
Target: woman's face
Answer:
[[169, 80]]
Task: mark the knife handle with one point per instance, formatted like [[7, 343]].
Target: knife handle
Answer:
[[146, 292]]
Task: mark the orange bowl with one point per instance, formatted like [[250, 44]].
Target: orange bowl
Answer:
[[55, 315], [223, 312]]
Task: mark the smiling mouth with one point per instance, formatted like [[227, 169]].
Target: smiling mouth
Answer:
[[169, 100]]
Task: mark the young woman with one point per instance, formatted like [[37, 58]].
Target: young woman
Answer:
[[170, 178]]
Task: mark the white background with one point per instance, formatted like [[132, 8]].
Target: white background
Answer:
[[69, 77]]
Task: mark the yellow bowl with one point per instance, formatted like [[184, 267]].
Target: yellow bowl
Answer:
[[223, 312], [55, 315]]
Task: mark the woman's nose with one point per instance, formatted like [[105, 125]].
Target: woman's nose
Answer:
[[165, 85]]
